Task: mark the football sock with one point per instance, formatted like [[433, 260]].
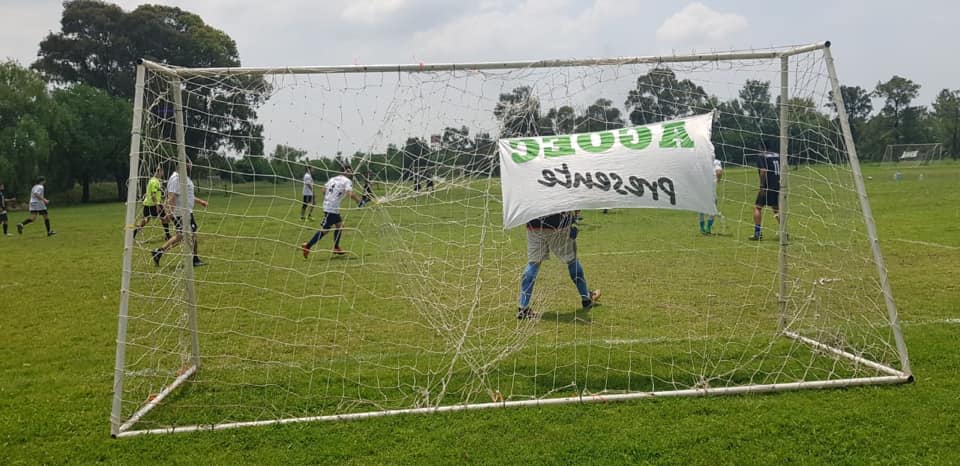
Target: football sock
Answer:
[[46, 223], [166, 230], [4, 228], [701, 223], [709, 225], [756, 231], [576, 274], [26, 222], [526, 283], [336, 237]]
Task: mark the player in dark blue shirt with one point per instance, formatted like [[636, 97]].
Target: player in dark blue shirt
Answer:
[[768, 167], [554, 233]]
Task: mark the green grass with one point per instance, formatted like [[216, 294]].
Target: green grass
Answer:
[[59, 302]]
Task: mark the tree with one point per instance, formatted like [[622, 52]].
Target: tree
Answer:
[[660, 96], [561, 120], [92, 130], [599, 116], [99, 44], [518, 113], [857, 104], [946, 117], [897, 93], [25, 112], [286, 161]]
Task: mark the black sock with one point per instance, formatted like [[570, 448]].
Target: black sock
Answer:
[[135, 231], [26, 222], [336, 237], [166, 230], [46, 222], [4, 228]]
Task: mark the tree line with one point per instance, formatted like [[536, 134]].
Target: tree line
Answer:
[[68, 115]]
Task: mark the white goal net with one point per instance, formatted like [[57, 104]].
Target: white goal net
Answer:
[[417, 308]]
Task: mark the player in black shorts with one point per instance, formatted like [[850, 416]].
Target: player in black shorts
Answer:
[[768, 167], [3, 208]]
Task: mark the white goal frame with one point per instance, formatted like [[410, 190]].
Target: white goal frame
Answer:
[[934, 149], [125, 427]]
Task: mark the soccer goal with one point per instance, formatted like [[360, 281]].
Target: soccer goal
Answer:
[[913, 154], [417, 311]]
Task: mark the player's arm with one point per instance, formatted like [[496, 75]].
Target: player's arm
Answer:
[[171, 204], [354, 196], [202, 202], [40, 198]]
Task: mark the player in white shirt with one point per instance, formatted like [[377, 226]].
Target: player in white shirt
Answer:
[[706, 221], [336, 189], [174, 210], [308, 199], [38, 206]]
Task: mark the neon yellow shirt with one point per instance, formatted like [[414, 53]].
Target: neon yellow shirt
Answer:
[[154, 193]]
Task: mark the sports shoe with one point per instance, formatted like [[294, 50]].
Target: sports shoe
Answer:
[[305, 249], [594, 297], [19, 228], [157, 254], [755, 238], [339, 251], [524, 313], [198, 263], [51, 233]]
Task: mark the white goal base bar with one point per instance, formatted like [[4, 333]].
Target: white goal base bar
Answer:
[[894, 377]]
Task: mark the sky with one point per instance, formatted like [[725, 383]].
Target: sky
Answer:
[[872, 40]]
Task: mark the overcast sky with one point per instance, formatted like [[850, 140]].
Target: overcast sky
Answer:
[[873, 40]]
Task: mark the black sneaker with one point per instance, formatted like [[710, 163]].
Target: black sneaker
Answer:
[[19, 228], [588, 303], [524, 313], [51, 233], [198, 263], [157, 254]]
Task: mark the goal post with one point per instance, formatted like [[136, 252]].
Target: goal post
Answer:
[[417, 311], [913, 154]]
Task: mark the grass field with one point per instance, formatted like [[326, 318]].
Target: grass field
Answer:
[[59, 298]]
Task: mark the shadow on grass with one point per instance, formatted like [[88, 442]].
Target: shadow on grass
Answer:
[[578, 317]]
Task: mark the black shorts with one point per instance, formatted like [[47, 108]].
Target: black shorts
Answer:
[[329, 220], [153, 211], [3, 217], [39, 212], [768, 197], [307, 199], [179, 225]]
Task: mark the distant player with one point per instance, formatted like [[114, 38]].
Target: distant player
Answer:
[[768, 166], [3, 208], [153, 204], [336, 189], [308, 199], [368, 195], [38, 206], [553, 233], [179, 215], [706, 227]]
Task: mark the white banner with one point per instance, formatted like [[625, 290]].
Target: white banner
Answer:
[[667, 165]]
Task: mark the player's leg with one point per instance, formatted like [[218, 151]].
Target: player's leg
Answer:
[[162, 215], [313, 203], [325, 224], [537, 252], [3, 221], [565, 247], [46, 223], [703, 223], [710, 219], [142, 222], [758, 215], [30, 219], [303, 207], [173, 241], [196, 257], [337, 234]]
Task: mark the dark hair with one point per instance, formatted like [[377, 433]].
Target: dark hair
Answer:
[[40, 179]]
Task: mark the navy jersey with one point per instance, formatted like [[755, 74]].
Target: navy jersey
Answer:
[[771, 163], [553, 222]]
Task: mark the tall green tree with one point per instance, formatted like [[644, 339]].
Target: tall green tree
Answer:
[[92, 130], [897, 94], [857, 104], [99, 45], [25, 112], [946, 117], [660, 96], [599, 116]]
